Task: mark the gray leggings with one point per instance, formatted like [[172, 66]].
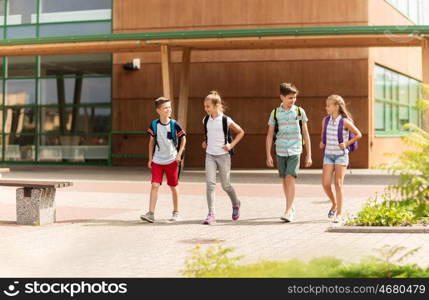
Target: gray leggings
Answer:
[[223, 163]]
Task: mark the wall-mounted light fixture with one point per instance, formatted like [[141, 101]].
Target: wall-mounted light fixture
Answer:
[[132, 66]]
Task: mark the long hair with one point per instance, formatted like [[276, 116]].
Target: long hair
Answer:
[[216, 100], [338, 100]]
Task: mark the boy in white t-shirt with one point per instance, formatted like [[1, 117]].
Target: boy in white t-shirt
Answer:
[[166, 145]]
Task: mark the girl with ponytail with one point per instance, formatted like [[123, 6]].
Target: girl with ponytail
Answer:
[[336, 145], [219, 145]]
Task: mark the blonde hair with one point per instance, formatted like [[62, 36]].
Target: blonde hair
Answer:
[[216, 100], [338, 100]]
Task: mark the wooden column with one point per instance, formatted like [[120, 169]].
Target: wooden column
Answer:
[[167, 73], [425, 69], [182, 114]]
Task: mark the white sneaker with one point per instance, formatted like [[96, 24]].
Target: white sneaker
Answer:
[[339, 219], [175, 216], [289, 215]]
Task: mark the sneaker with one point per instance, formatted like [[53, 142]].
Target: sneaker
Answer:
[[175, 216], [236, 212], [339, 219], [289, 215], [332, 213], [148, 217], [210, 219]]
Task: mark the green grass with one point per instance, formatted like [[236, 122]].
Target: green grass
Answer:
[[215, 262]]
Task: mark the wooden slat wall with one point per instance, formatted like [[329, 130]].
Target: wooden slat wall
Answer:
[[163, 15], [248, 80]]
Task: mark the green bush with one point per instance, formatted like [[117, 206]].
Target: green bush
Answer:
[[407, 202], [385, 213], [209, 263], [413, 165], [388, 264]]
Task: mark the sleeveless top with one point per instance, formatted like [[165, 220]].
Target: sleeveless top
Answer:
[[332, 147]]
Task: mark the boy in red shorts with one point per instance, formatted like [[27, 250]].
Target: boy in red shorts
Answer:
[[166, 146]]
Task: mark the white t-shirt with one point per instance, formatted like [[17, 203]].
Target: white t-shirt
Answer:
[[215, 136], [165, 151]]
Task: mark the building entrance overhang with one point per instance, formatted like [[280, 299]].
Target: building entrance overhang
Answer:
[[258, 38]]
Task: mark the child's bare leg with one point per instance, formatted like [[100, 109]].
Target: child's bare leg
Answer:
[[289, 190], [175, 194], [340, 172], [153, 196], [328, 170]]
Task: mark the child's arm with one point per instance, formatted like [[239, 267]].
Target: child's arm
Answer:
[[322, 145], [181, 149], [308, 161], [151, 142], [357, 134], [268, 145], [239, 135]]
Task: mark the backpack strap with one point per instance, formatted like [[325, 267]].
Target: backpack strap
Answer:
[[206, 120], [225, 128], [276, 124], [173, 132], [299, 117], [154, 126], [325, 129], [340, 131]]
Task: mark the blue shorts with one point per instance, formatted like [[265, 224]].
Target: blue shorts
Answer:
[[333, 159]]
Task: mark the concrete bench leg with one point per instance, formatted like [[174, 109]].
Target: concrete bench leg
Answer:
[[35, 206]]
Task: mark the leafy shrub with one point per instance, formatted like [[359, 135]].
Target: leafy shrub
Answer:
[[388, 264], [209, 263], [384, 213]]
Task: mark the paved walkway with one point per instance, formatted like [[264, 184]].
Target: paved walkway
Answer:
[[99, 234]]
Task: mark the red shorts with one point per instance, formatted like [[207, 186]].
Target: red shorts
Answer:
[[170, 170]]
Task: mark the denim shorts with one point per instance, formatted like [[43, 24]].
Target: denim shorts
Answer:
[[333, 159]]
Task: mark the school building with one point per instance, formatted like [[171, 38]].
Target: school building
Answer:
[[79, 77]]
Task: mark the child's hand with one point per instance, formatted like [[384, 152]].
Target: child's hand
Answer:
[[322, 145], [204, 145], [270, 162], [178, 158], [227, 147], [308, 162], [342, 146], [149, 164]]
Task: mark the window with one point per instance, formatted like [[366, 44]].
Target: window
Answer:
[[56, 108], [21, 12], [416, 10], [50, 18], [396, 98], [76, 10]]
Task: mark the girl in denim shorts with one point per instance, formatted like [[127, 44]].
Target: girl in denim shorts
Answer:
[[336, 147]]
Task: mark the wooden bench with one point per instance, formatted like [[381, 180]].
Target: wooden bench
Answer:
[[4, 170], [35, 200]]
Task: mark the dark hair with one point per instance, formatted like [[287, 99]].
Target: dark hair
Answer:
[[287, 89], [160, 101], [215, 99]]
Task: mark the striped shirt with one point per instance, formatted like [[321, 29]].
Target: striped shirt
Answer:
[[289, 137], [332, 145]]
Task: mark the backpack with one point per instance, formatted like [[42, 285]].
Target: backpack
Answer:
[[226, 132], [352, 147], [276, 123], [176, 141]]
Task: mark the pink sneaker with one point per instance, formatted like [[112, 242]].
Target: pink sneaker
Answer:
[[236, 212], [210, 219]]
